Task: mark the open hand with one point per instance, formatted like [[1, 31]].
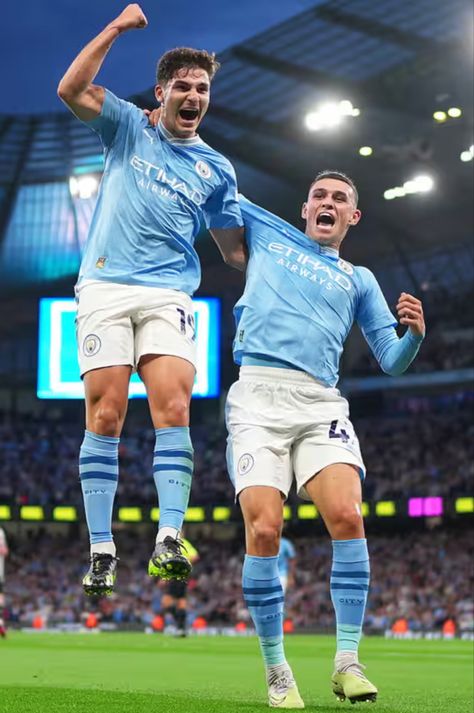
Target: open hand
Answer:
[[153, 116], [410, 312]]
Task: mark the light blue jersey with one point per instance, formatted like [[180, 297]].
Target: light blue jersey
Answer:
[[301, 300], [155, 193], [286, 553]]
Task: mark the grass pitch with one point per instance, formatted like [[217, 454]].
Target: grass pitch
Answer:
[[138, 673]]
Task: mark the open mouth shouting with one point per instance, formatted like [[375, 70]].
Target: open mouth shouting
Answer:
[[189, 115], [325, 220]]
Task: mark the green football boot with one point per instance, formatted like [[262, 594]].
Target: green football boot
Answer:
[[283, 691], [101, 576], [351, 683], [168, 560]]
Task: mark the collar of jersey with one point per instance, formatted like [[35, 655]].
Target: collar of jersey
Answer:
[[175, 140]]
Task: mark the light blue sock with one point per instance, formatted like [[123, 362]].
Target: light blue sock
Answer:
[[264, 597], [173, 472], [98, 471], [350, 577]]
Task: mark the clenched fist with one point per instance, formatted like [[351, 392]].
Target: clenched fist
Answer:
[[132, 18], [410, 312]]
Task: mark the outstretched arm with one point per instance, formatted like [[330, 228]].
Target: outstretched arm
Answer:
[[76, 89]]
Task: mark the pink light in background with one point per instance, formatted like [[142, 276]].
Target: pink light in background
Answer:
[[425, 507], [415, 507], [433, 507]]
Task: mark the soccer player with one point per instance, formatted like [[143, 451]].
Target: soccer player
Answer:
[[174, 598], [138, 273], [3, 555], [287, 420]]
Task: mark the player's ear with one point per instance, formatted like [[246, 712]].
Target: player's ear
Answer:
[[304, 211], [355, 217], [159, 93]]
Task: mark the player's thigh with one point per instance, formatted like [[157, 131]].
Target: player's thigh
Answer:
[[337, 493], [169, 383], [104, 327], [164, 325], [106, 396], [326, 441], [258, 444]]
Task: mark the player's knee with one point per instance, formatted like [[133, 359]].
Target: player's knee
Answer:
[[106, 418], [265, 536], [346, 521], [175, 412]]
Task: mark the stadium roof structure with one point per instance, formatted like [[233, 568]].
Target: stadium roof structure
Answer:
[[396, 62]]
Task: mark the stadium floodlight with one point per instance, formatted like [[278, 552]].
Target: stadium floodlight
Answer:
[[467, 155], [366, 151], [345, 107], [84, 186], [330, 115], [418, 184], [399, 192], [440, 116], [454, 112], [313, 121], [423, 183]]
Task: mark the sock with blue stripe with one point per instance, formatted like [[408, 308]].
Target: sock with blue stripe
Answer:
[[173, 472], [98, 472], [263, 595], [350, 577]]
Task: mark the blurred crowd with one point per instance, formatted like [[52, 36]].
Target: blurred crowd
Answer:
[[424, 577], [449, 342], [420, 449]]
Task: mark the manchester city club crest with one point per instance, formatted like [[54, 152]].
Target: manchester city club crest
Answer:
[[91, 345], [347, 267], [203, 169], [245, 464]]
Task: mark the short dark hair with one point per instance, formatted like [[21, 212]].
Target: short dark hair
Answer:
[[180, 57], [339, 176]]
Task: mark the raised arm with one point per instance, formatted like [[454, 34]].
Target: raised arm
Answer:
[[76, 89]]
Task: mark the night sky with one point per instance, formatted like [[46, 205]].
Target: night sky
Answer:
[[39, 38]]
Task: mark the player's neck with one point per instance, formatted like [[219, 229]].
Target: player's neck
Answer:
[[169, 134]]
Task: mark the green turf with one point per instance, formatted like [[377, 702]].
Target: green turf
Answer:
[[137, 673]]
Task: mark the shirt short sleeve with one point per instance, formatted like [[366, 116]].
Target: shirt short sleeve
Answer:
[[222, 209], [115, 112]]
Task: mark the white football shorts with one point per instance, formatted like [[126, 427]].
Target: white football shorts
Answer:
[[118, 324], [282, 424]]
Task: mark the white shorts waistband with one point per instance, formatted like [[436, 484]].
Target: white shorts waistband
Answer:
[[278, 375]]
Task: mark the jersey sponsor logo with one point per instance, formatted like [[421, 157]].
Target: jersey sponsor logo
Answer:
[[91, 345], [153, 175], [245, 464], [203, 170], [308, 266]]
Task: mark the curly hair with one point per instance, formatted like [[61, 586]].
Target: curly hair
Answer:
[[180, 57], [339, 176]]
